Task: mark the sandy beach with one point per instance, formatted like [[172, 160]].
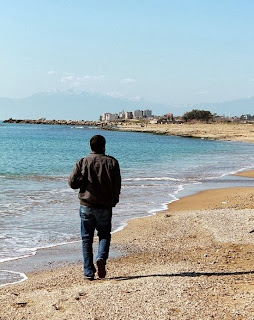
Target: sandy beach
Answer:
[[193, 261], [215, 131]]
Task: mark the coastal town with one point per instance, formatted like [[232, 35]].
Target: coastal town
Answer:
[[143, 117], [195, 124], [147, 116]]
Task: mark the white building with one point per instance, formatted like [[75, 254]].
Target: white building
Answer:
[[128, 115], [109, 116], [122, 115]]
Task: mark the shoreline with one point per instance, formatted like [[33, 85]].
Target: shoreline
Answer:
[[201, 248], [241, 132], [67, 254], [48, 258]]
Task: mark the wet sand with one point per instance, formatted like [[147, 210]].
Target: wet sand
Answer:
[[249, 174], [53, 257]]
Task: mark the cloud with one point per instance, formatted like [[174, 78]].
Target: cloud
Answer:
[[128, 80], [68, 78], [137, 98], [88, 77], [114, 94], [76, 84], [79, 79], [202, 92], [51, 72]]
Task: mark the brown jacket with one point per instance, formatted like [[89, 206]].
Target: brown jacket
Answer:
[[99, 180]]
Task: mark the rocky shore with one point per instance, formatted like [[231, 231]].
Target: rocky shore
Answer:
[[54, 122]]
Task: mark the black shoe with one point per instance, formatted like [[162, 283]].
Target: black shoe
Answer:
[[101, 268], [89, 277]]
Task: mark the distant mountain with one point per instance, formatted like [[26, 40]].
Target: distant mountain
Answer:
[[72, 105], [82, 105]]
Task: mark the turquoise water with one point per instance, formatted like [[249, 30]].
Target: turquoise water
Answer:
[[38, 209]]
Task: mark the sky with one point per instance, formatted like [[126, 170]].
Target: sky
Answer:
[[178, 52]]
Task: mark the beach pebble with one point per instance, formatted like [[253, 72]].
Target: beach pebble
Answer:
[[80, 294], [21, 304], [57, 307]]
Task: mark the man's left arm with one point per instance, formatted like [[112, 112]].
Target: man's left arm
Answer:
[[117, 181]]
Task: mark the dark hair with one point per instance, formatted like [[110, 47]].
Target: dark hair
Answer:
[[97, 144]]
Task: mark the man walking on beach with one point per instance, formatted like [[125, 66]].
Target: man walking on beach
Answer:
[[99, 180]]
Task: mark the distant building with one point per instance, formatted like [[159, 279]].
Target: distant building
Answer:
[[138, 114], [147, 113], [121, 115], [246, 117], [109, 116], [128, 115], [170, 116]]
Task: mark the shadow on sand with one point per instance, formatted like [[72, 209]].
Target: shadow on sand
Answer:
[[186, 274]]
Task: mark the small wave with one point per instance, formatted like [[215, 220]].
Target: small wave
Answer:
[[241, 170], [142, 185], [21, 275], [84, 127], [33, 251], [152, 179], [155, 210], [32, 177]]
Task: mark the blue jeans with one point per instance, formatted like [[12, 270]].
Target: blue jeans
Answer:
[[91, 219]]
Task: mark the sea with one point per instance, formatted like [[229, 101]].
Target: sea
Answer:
[[38, 209]]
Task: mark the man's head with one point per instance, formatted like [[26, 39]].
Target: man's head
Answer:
[[98, 143]]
